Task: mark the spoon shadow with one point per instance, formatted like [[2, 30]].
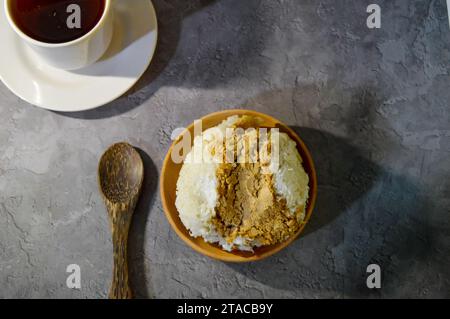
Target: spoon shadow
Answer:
[[136, 258]]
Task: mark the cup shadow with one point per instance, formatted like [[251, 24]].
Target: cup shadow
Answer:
[[136, 258], [170, 18]]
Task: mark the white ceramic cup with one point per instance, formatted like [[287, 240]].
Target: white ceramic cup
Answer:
[[75, 54]]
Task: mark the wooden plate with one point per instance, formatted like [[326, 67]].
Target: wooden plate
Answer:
[[169, 177]]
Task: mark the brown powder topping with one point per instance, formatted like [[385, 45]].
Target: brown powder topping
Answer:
[[248, 205]]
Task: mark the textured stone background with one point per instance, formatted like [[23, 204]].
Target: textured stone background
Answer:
[[371, 104]]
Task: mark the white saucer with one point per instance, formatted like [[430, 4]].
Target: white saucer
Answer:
[[130, 53]]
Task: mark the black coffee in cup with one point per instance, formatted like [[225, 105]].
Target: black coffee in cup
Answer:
[[56, 21]]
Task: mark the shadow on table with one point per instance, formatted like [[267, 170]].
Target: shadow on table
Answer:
[[136, 258], [201, 44], [170, 17], [364, 213]]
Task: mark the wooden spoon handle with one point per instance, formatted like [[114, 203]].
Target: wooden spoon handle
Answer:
[[120, 223]]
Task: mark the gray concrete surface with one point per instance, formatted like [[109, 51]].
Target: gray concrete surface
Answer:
[[371, 104]]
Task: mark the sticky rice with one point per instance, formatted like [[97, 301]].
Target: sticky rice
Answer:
[[240, 204]]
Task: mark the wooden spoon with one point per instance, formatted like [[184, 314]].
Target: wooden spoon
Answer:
[[120, 176]]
